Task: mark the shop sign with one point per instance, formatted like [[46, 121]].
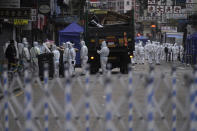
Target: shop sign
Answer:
[[9, 3], [15, 13], [96, 11], [44, 9], [20, 22], [169, 29]]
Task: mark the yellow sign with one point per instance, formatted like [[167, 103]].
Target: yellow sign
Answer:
[[98, 11], [20, 22]]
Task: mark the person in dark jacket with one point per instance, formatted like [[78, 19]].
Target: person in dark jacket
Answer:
[[166, 52], [11, 54]]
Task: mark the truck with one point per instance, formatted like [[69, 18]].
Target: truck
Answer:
[[118, 31]]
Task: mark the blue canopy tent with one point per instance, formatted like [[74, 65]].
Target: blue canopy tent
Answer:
[[141, 38], [72, 33], [191, 48]]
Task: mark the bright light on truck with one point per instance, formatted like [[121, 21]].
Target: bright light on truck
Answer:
[[92, 58], [131, 56]]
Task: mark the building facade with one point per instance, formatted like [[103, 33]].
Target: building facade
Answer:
[[120, 6]]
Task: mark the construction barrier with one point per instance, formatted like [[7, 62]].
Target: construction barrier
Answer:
[[99, 103]]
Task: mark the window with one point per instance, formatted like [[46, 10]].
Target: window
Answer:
[[128, 3]]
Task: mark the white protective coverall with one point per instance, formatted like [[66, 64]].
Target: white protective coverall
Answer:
[[43, 48], [175, 50], [56, 59], [104, 53], [71, 59], [35, 51], [65, 55], [133, 60], [162, 52], [25, 55], [181, 52], [84, 56], [150, 52], [158, 53], [146, 51], [136, 54], [154, 45], [141, 53]]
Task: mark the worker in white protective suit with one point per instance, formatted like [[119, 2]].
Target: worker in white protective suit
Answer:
[[158, 49], [34, 52], [141, 53], [133, 59], [71, 59], [181, 52], [175, 50], [56, 59], [136, 54], [44, 48], [26, 55], [84, 56], [154, 44], [162, 52], [146, 51], [21, 46], [65, 55], [150, 52], [104, 53]]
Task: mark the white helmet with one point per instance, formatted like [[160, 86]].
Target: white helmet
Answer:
[[24, 40], [35, 43]]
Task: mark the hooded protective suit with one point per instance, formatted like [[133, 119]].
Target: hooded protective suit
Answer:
[[158, 53], [175, 50], [66, 50], [71, 59], [104, 53], [136, 54], [84, 56], [133, 60], [181, 52], [25, 55], [56, 59], [150, 52], [146, 51], [141, 53], [43, 48], [35, 51]]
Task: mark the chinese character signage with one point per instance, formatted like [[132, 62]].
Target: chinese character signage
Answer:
[[151, 9], [164, 9], [177, 9], [20, 22], [168, 9], [160, 9], [9, 3], [151, 2], [20, 13]]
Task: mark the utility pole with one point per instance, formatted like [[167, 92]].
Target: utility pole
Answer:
[[86, 20]]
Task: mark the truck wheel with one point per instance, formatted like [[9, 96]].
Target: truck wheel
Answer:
[[94, 70], [124, 69]]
